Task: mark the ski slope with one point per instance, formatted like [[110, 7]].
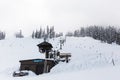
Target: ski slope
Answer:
[[91, 59]]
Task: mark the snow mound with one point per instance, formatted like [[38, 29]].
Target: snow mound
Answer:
[[91, 59]]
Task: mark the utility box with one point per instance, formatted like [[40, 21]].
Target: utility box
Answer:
[[37, 65]]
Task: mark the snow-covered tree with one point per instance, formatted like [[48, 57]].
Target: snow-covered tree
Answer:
[[2, 35], [19, 34]]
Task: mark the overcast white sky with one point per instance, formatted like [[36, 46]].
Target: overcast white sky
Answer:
[[63, 14]]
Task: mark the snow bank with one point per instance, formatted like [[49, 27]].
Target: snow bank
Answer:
[[91, 59]]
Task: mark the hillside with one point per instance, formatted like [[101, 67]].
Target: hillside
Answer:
[[91, 59]]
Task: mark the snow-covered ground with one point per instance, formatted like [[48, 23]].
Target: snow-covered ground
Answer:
[[91, 59]]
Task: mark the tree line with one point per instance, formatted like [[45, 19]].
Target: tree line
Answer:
[[49, 32], [108, 34]]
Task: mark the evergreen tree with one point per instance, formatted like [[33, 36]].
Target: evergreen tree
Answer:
[[33, 34], [19, 34], [2, 35]]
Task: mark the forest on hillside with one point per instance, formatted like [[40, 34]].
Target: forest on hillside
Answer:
[[109, 34]]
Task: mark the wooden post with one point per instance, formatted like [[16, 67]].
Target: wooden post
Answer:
[[66, 59], [45, 62], [45, 66], [113, 62]]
